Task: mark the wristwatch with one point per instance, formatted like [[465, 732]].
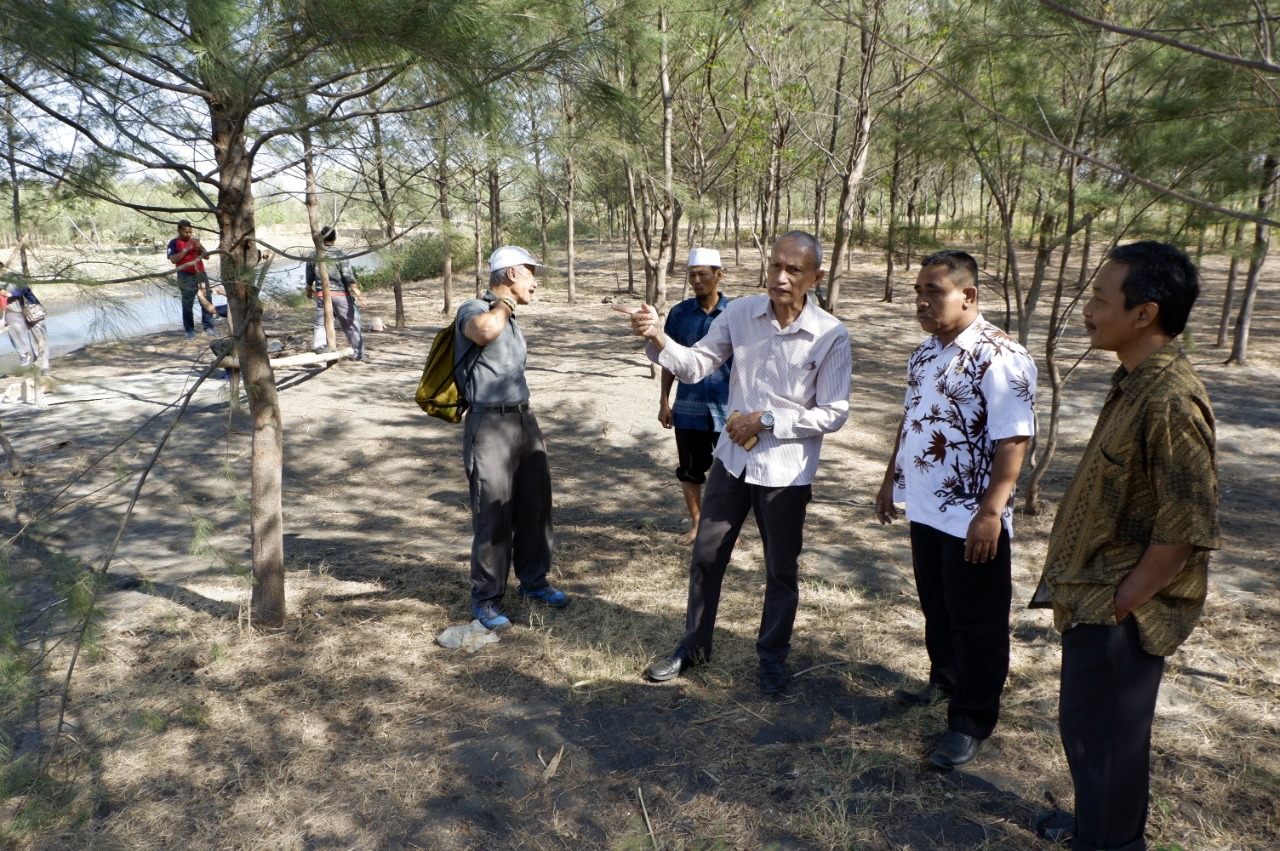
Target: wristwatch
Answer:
[[766, 420]]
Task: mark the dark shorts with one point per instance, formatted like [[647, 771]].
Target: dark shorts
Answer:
[[694, 447]]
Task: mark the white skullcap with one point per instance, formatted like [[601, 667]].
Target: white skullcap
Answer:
[[704, 257]]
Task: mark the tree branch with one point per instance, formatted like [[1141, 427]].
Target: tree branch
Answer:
[[1049, 140], [1148, 35]]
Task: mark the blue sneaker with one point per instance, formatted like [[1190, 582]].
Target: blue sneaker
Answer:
[[552, 597], [490, 617]]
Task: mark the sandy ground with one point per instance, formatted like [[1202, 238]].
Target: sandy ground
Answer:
[[350, 729]]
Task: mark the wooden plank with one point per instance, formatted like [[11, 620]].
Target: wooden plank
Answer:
[[308, 359]]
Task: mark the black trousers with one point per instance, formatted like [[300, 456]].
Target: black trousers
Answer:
[[966, 625], [1106, 705], [505, 458], [780, 514]]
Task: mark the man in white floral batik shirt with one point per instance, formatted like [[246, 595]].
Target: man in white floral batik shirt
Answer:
[[969, 413]]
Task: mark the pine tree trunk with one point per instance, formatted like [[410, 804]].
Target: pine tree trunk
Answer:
[[571, 181], [891, 241], [15, 195], [856, 165], [539, 182], [239, 255], [317, 244], [387, 208], [479, 215], [1229, 296], [495, 207], [446, 233], [1261, 244]]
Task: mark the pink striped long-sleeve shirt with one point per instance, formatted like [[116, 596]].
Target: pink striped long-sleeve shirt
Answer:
[[800, 373]]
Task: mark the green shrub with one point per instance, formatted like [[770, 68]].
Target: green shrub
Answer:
[[418, 259], [522, 227]]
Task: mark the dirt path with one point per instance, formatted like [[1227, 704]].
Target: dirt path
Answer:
[[351, 729]]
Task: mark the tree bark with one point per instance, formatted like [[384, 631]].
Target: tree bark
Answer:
[[1044, 252], [15, 194], [539, 181], [446, 230], [494, 178], [1261, 244], [480, 280], [570, 180], [317, 244], [387, 208], [1229, 296], [239, 254], [891, 241], [856, 165]]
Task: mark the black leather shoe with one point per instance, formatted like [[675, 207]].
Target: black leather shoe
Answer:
[[773, 676], [670, 667], [955, 750], [927, 696]]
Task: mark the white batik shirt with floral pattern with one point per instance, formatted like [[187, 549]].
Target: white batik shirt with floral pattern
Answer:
[[961, 399]]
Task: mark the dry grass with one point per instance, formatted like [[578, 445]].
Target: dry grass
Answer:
[[350, 729]]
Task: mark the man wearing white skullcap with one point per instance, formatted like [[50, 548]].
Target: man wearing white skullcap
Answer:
[[701, 408]]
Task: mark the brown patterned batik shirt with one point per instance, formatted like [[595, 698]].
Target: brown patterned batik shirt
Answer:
[[1148, 476]]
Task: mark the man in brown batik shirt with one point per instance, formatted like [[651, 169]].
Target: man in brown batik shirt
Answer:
[[1127, 567]]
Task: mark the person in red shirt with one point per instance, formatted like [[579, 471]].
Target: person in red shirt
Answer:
[[185, 252]]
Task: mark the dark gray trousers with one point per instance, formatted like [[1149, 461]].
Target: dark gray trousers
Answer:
[[505, 457], [780, 514], [346, 316], [1106, 705]]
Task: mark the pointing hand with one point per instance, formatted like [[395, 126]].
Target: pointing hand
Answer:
[[644, 320]]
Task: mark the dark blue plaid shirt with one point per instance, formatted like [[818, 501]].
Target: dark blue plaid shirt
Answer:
[[704, 405]]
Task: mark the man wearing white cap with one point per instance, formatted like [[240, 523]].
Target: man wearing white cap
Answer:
[[503, 450], [701, 408]]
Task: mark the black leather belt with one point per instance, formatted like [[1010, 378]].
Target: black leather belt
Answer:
[[522, 408]]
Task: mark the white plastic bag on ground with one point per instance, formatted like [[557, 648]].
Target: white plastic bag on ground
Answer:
[[470, 638]]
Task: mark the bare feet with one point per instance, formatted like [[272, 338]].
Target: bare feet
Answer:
[[687, 537]]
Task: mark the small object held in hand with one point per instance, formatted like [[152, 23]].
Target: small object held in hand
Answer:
[[751, 441]]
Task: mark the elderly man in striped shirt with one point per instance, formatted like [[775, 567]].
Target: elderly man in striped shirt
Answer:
[[789, 386]]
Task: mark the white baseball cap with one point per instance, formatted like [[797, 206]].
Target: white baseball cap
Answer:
[[704, 257], [511, 255]]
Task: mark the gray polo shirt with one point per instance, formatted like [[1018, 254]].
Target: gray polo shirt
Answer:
[[498, 375]]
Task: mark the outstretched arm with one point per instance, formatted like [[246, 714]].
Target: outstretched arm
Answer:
[[644, 323]]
